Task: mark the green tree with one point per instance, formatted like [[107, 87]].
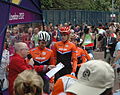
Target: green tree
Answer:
[[98, 5], [102, 5], [46, 4], [117, 5]]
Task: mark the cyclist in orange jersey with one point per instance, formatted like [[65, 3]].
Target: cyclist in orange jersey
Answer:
[[85, 51], [62, 84], [80, 54], [43, 56], [65, 52]]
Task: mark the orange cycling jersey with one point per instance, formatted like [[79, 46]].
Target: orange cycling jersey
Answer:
[[80, 56], [66, 53], [86, 55], [42, 57], [62, 84]]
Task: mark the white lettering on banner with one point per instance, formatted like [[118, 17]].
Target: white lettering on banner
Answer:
[[21, 15], [16, 16]]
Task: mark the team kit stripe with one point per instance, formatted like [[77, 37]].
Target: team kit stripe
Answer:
[[64, 52]]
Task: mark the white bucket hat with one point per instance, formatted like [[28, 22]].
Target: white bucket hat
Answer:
[[94, 77]]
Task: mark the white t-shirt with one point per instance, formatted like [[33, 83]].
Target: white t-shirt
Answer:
[[4, 63]]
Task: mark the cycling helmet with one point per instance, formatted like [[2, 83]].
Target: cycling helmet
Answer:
[[65, 30], [43, 36], [80, 41]]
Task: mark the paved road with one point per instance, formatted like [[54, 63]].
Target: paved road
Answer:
[[100, 55]]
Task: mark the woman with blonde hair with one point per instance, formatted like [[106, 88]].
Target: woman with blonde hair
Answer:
[[28, 83]]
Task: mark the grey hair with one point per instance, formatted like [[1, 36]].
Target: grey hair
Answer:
[[19, 45]]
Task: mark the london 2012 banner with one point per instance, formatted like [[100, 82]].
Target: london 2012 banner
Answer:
[[25, 11], [17, 12], [20, 15]]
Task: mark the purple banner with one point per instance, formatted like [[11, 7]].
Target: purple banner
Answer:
[[20, 15], [15, 12], [33, 5], [4, 10]]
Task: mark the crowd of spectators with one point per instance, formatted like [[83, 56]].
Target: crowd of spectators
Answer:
[[73, 45]]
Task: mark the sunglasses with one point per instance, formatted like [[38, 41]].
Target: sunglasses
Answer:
[[43, 42]]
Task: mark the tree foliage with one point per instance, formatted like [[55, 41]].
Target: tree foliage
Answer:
[[98, 5]]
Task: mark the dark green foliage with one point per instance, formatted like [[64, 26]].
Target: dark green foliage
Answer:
[[98, 5]]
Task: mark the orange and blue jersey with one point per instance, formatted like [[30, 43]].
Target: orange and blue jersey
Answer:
[[66, 53], [86, 55], [80, 55], [62, 84], [42, 57]]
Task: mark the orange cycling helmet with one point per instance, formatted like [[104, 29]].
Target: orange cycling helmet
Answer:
[[65, 30]]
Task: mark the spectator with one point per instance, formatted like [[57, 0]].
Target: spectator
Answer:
[[77, 29], [117, 35], [34, 37], [50, 27], [3, 69], [58, 31], [117, 50], [116, 65], [112, 27], [15, 37], [54, 35], [109, 46], [95, 77], [117, 59], [19, 64], [88, 40], [9, 39], [100, 35], [117, 93], [30, 32], [26, 85]]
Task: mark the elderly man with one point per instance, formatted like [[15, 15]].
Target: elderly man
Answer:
[[19, 64]]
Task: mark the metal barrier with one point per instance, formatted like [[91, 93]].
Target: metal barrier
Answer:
[[78, 16]]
